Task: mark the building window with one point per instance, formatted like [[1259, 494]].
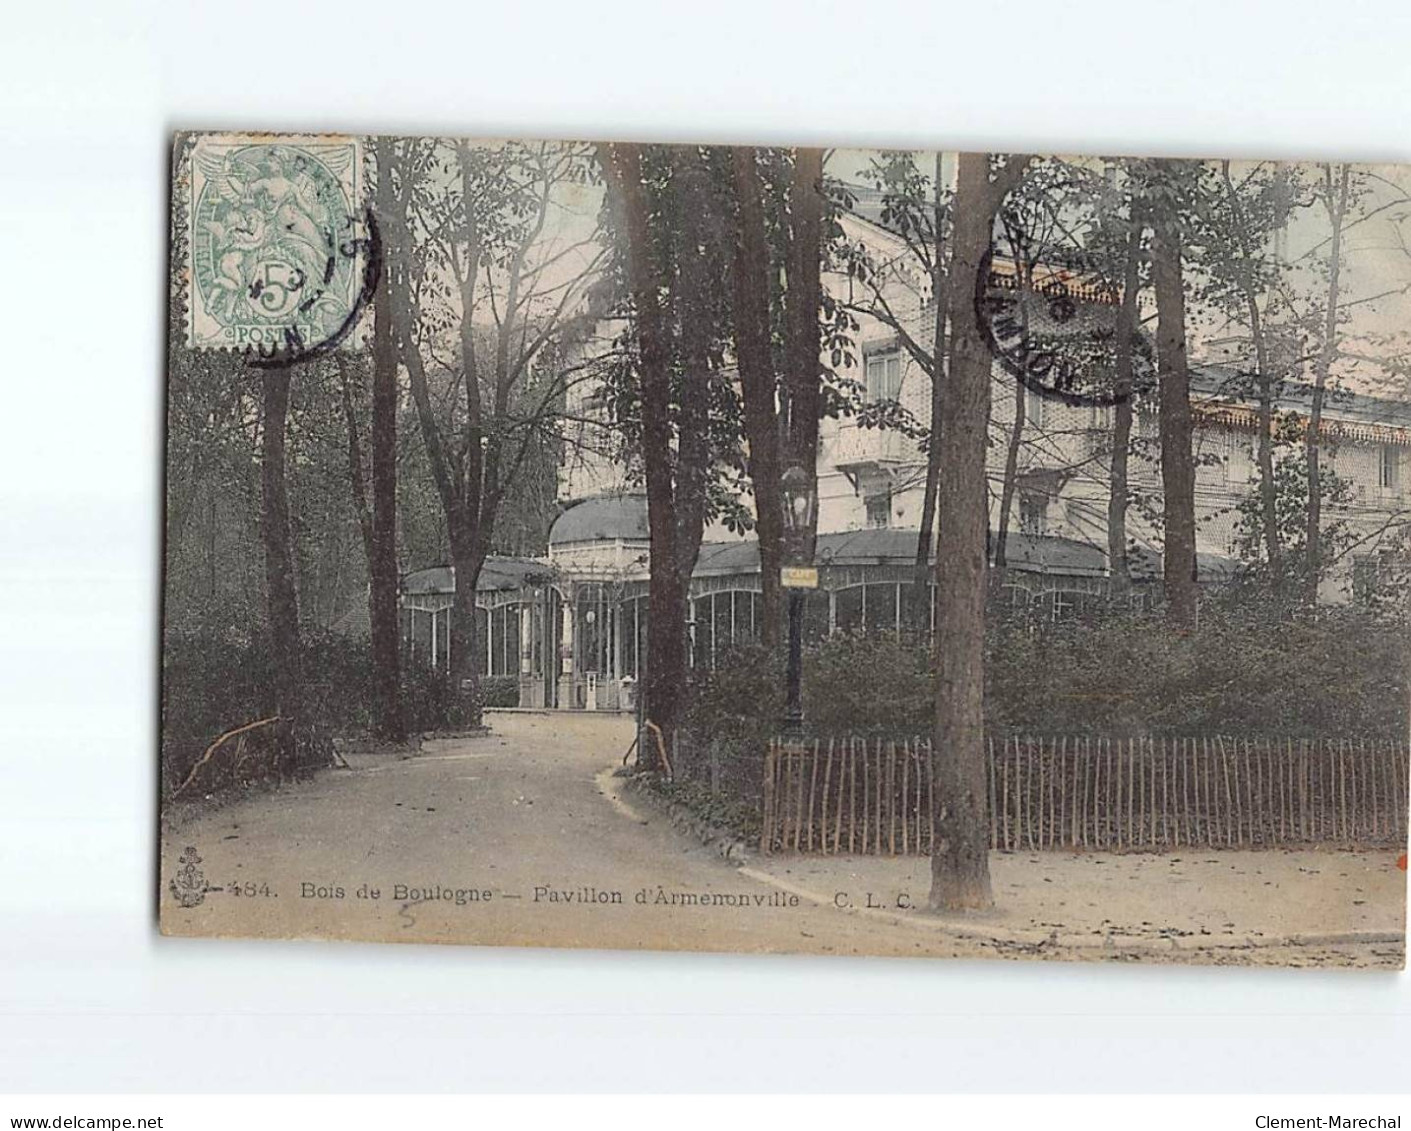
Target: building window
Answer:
[[848, 616], [1100, 432], [1389, 468], [1073, 604], [879, 509], [536, 638], [815, 614], [698, 624], [484, 647], [1014, 603], [1033, 512], [1225, 445], [593, 624], [634, 635], [1034, 408], [884, 375], [881, 607]]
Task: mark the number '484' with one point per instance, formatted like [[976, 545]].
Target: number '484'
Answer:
[[248, 888]]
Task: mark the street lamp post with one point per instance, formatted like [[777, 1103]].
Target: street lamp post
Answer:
[[797, 576], [793, 703]]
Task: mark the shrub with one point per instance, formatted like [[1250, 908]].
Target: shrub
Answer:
[[500, 690], [1241, 671], [732, 712], [728, 810], [212, 683], [867, 685], [426, 697]]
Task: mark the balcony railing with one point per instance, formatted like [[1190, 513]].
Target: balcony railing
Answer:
[[854, 446]]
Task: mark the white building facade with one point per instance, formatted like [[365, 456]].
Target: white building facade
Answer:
[[569, 629]]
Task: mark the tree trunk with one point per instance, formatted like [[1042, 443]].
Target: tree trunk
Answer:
[[921, 585], [467, 557], [1124, 388], [692, 309], [666, 629], [925, 536], [1177, 464], [1120, 573], [1336, 205], [281, 593], [758, 386], [960, 874], [382, 564], [356, 478], [1011, 474]]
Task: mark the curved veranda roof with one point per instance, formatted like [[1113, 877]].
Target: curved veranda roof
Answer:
[[496, 575], [1030, 553], [898, 547], [607, 518]]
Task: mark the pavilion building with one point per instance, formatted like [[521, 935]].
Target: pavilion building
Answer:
[[571, 627]]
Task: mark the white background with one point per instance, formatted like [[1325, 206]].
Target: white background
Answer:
[[90, 997]]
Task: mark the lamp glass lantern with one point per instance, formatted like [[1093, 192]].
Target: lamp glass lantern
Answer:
[[800, 502]]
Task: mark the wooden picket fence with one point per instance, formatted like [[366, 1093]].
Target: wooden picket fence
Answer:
[[876, 796]]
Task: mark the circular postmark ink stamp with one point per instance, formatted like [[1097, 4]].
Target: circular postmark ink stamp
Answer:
[[281, 257], [1051, 311]]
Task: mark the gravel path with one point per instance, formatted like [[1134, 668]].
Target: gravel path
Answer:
[[1111, 899], [516, 838]]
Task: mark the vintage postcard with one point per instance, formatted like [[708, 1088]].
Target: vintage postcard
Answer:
[[787, 550]]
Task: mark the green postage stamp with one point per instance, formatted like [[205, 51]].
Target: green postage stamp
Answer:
[[277, 247]]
